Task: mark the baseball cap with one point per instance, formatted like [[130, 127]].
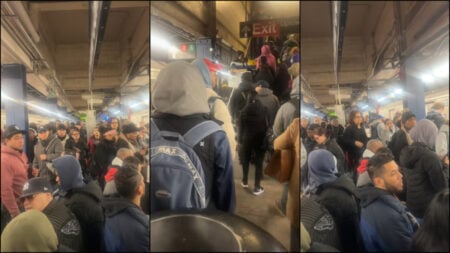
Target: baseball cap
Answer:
[[130, 128], [42, 129], [212, 67], [12, 130], [36, 185]]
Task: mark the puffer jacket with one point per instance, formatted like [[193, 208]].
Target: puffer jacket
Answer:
[[340, 200], [85, 203], [66, 225], [424, 174], [14, 176], [239, 97], [126, 227], [385, 223]]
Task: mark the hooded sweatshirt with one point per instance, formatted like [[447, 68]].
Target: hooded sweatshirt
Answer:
[[238, 98], [30, 231], [14, 176], [322, 167], [182, 94], [69, 172], [271, 61], [285, 114], [84, 200], [180, 101], [425, 131]]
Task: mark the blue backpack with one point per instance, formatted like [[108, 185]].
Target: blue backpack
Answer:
[[177, 177]]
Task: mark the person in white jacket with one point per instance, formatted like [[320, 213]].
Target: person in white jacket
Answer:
[[219, 109]]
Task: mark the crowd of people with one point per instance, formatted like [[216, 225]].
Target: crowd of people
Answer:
[[375, 185], [70, 192]]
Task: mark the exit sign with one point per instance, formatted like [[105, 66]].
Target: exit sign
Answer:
[[266, 28]]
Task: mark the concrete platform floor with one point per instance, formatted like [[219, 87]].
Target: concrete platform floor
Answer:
[[261, 209]]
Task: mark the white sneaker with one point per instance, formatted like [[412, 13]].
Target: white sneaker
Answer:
[[244, 185], [258, 191]]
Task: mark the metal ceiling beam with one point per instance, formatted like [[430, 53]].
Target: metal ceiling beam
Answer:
[[339, 17]]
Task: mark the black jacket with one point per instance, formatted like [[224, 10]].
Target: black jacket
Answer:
[[66, 225], [352, 134], [239, 97], [80, 147], [103, 156], [424, 177], [339, 198], [126, 227], [85, 203], [397, 143]]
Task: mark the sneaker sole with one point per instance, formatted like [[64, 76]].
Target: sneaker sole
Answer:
[[258, 193], [244, 185]]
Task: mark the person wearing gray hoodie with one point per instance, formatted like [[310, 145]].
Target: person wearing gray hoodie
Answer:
[[287, 112], [179, 99]]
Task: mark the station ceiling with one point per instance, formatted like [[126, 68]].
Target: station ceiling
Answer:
[[370, 47], [64, 44]]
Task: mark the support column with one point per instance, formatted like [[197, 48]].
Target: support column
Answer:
[[14, 85], [415, 98]]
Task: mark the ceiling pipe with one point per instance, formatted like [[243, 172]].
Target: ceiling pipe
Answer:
[[339, 17], [28, 42], [19, 9]]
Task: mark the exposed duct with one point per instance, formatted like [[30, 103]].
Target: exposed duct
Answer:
[[22, 35]]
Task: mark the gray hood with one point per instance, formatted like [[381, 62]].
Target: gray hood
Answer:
[[180, 90]]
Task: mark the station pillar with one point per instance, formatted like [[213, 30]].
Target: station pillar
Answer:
[[14, 95], [414, 100]]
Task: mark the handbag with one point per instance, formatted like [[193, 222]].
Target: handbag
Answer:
[[281, 164]]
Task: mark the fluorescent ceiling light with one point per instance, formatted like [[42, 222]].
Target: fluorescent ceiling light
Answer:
[[427, 78]]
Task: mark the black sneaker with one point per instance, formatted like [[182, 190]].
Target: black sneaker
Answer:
[[258, 191], [245, 185]]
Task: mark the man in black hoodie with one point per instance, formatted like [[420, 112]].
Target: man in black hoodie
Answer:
[[240, 95], [104, 154], [84, 200]]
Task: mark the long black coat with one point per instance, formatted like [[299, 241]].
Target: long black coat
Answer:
[[425, 177]]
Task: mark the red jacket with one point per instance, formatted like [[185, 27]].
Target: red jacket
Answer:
[[14, 176], [363, 165]]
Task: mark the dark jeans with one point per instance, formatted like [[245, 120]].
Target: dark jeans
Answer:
[[5, 217], [247, 147]]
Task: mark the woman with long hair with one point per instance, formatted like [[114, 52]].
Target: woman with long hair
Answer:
[[432, 236], [354, 140]]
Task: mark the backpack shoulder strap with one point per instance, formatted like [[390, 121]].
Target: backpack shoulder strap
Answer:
[[200, 131], [157, 134]]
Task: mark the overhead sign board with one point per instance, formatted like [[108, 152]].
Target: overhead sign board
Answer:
[[266, 28], [259, 29], [245, 30]]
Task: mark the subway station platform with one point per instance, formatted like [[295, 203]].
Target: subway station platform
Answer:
[[261, 209]]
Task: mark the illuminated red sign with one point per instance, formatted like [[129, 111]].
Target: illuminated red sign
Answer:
[[266, 28]]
